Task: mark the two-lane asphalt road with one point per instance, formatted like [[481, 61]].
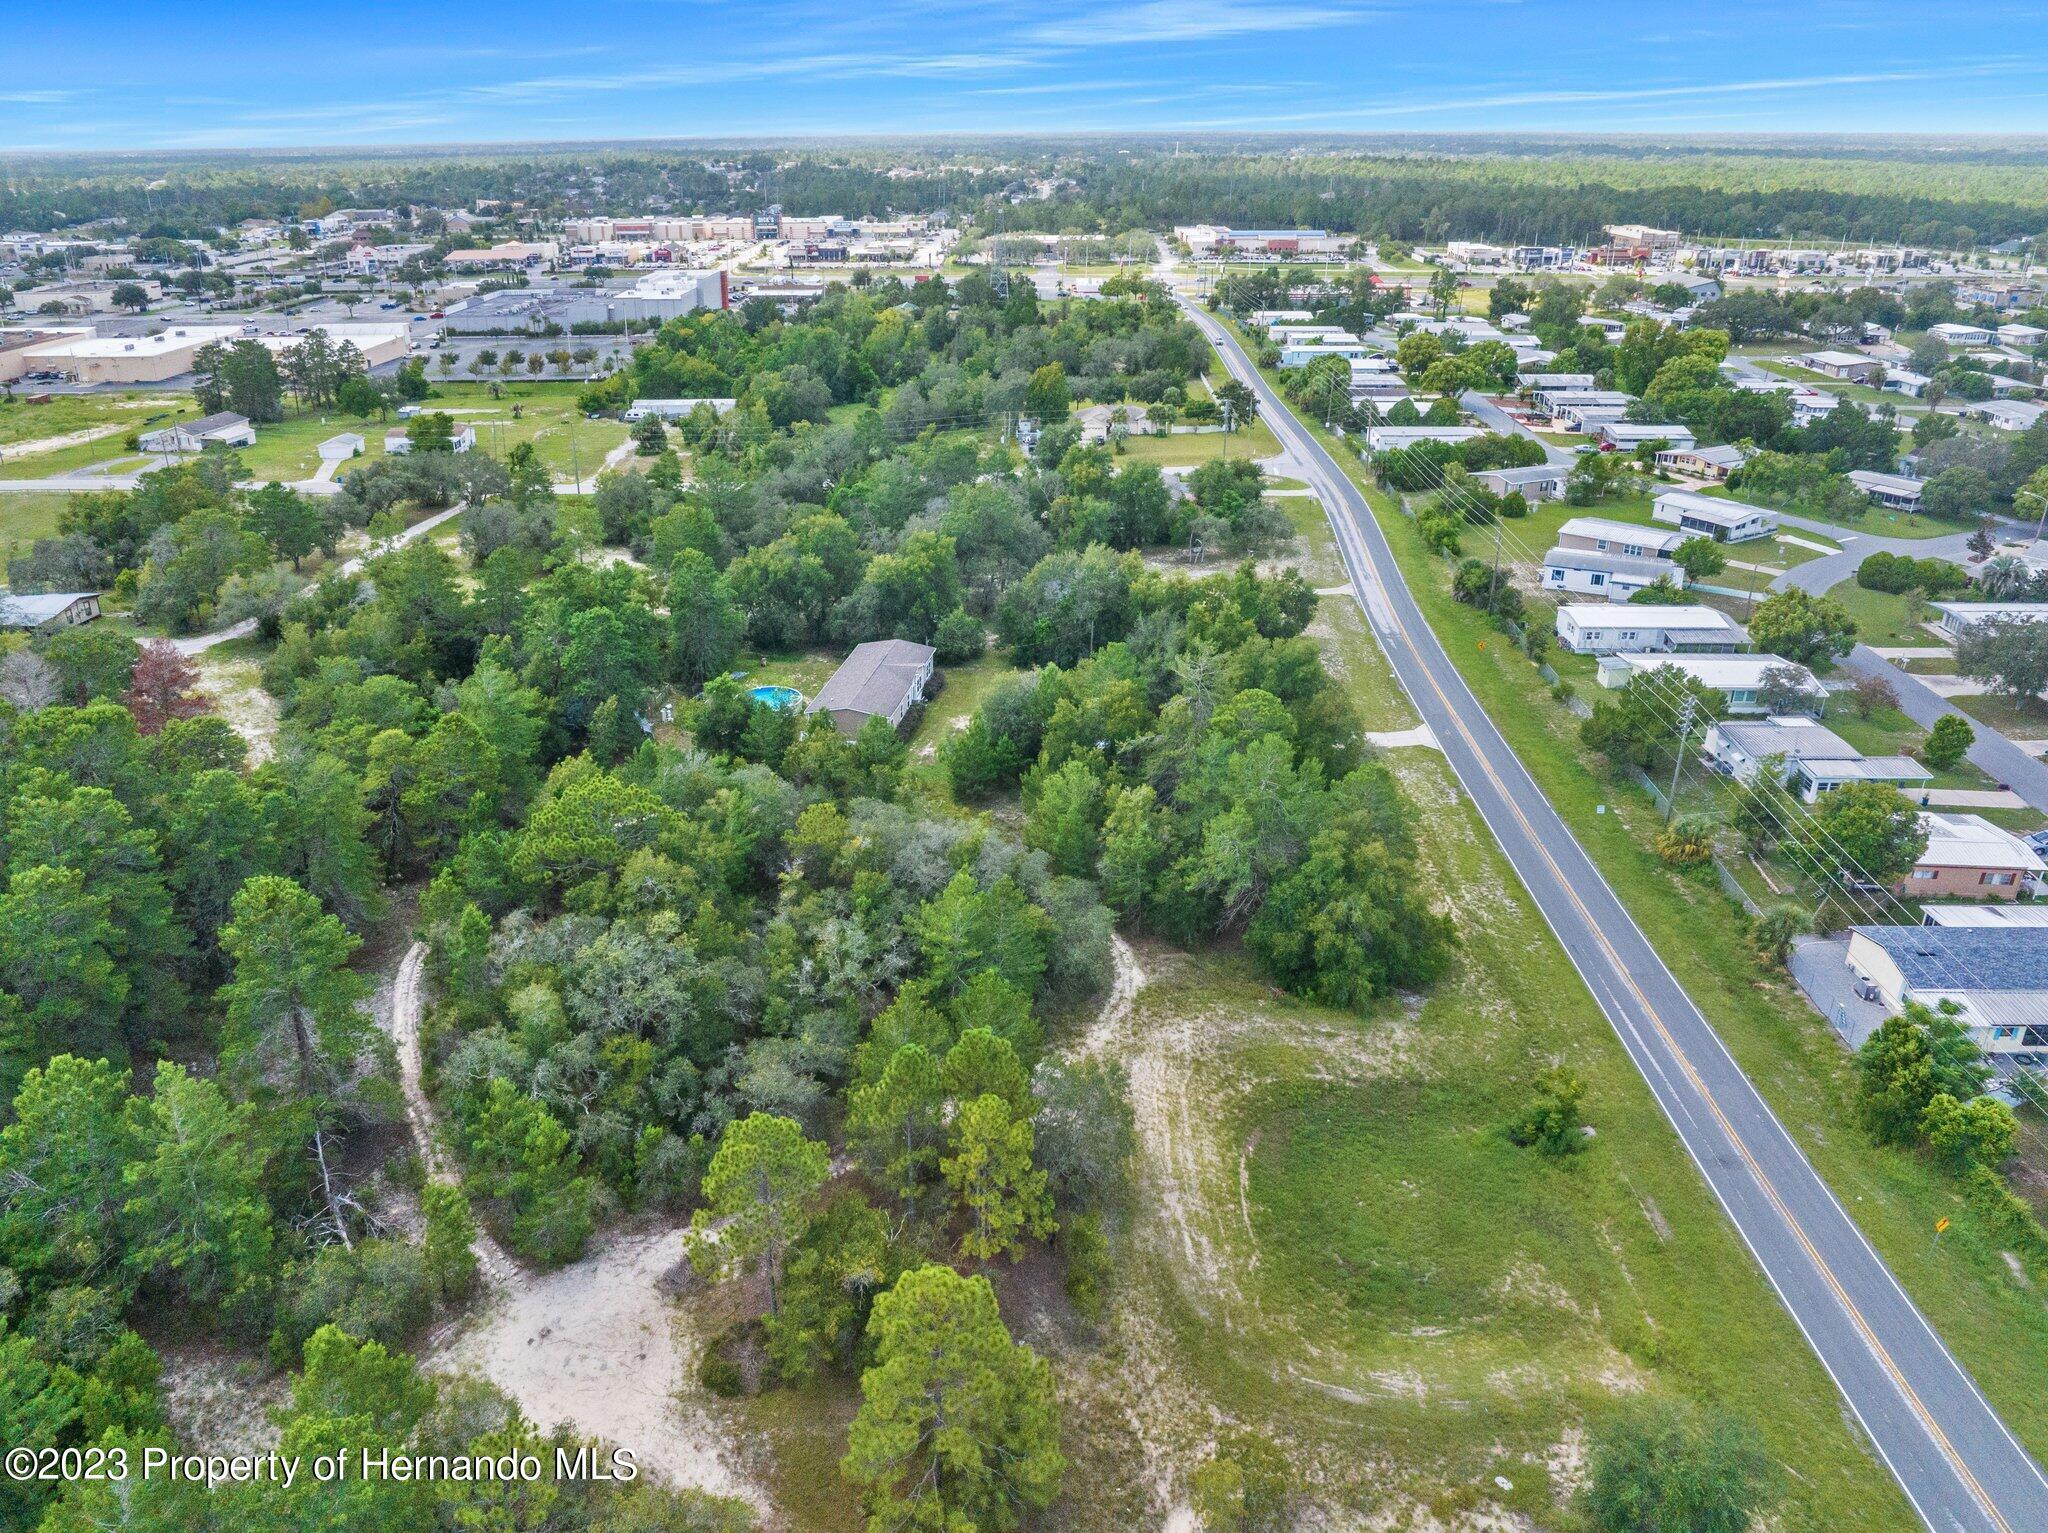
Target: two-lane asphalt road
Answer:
[[1959, 1465]]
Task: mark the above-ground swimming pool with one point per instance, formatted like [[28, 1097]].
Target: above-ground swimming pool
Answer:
[[783, 698]]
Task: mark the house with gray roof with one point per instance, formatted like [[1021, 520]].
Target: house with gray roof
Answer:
[[1591, 572], [49, 611], [884, 678], [1996, 977], [1809, 759]]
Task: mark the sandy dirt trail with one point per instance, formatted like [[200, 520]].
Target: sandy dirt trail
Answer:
[[599, 1343]]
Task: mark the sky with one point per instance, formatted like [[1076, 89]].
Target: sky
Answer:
[[203, 74]]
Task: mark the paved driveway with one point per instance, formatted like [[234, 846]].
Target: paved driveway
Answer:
[[1821, 965]]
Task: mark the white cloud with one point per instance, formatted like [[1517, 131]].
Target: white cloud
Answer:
[[1181, 21]]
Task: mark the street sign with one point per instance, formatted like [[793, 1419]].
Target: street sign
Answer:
[[1940, 1225]]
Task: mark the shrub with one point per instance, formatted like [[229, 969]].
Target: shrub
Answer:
[[1553, 1123], [1089, 1267], [380, 1291]]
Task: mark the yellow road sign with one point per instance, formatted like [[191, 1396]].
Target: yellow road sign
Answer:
[[1940, 1224]]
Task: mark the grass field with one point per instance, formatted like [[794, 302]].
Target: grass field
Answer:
[[26, 516], [1985, 1308], [1338, 1249], [63, 414], [1198, 447], [547, 417]]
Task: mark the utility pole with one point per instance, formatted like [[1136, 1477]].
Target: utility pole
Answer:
[[1684, 732]]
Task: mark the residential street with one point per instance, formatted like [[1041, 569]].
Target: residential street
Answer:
[[1993, 752], [1954, 1457]]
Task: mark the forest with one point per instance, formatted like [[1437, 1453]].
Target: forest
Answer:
[[1552, 191], [693, 957]]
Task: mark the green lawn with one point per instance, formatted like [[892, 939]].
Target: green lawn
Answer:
[[546, 415], [1882, 618], [965, 687], [1989, 1313], [2018, 721], [26, 516], [1194, 448]]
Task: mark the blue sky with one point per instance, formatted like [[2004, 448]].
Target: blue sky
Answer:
[[196, 74]]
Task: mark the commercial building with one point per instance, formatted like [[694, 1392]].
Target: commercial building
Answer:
[[1725, 521], [511, 253], [1610, 629], [884, 678], [1617, 577], [1738, 678], [1895, 491], [82, 297], [87, 358], [1207, 241], [1995, 979], [19, 343], [1711, 464], [1809, 758]]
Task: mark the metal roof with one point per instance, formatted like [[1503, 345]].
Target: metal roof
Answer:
[[1611, 564], [35, 610]]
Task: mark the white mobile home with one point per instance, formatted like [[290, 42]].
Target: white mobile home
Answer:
[[1725, 521], [1631, 628], [1739, 678]]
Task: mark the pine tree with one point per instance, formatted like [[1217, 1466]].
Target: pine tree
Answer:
[[958, 1426], [991, 1173]]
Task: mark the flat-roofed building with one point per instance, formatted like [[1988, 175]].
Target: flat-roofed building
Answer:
[[1588, 572], [1725, 521], [1895, 491], [1388, 438], [1632, 628], [1711, 464], [1627, 436], [674, 409], [1738, 678], [1607, 537], [1958, 618]]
